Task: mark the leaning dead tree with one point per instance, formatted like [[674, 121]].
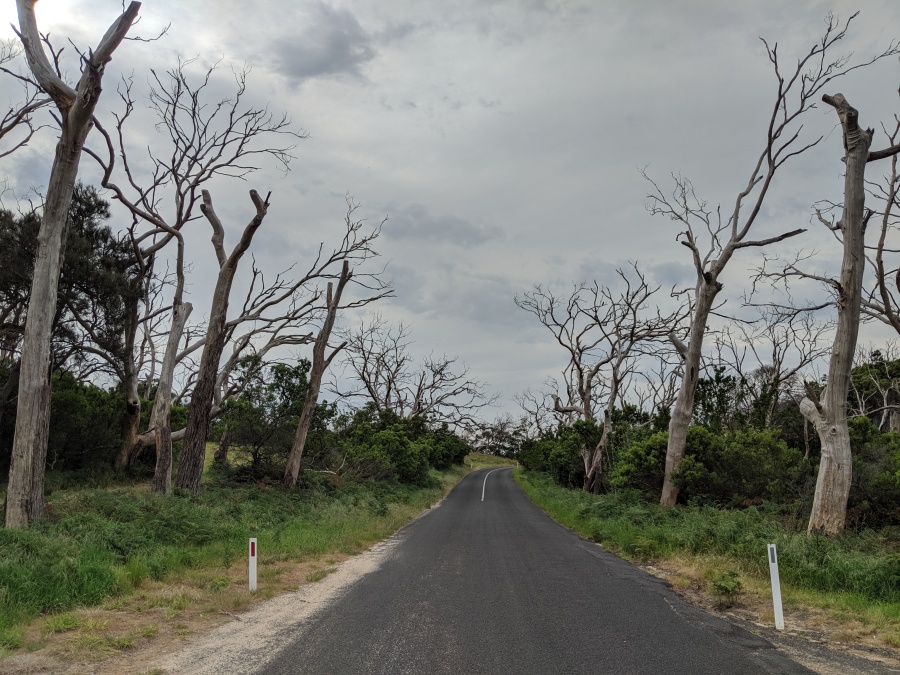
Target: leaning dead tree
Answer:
[[605, 334], [384, 373], [320, 363], [713, 237], [75, 107], [193, 451]]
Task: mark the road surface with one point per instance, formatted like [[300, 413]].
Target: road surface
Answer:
[[488, 583]]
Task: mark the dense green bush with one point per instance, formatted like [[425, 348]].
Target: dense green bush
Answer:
[[733, 468], [875, 490], [85, 426], [382, 445], [642, 464]]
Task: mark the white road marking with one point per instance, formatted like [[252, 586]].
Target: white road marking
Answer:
[[485, 482]]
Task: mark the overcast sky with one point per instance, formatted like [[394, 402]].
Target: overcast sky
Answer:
[[503, 140]]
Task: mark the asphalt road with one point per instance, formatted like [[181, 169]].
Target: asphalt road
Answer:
[[495, 586]]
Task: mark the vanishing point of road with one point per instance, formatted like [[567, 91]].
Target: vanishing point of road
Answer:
[[487, 583]]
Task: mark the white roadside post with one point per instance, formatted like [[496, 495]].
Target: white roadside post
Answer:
[[253, 564], [776, 588]]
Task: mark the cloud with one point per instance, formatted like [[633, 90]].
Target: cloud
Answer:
[[330, 42], [414, 222]]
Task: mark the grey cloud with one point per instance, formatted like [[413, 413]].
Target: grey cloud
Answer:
[[416, 223], [673, 274], [330, 42]]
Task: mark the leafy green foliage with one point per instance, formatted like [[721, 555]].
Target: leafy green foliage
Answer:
[[727, 586], [381, 445], [730, 469], [262, 421], [85, 426]]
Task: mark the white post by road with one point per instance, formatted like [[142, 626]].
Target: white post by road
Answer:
[[253, 565], [776, 588]]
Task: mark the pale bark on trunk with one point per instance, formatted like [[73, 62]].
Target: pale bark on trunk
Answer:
[[131, 421], [684, 404], [593, 458], [193, 451], [24, 501], [317, 370], [828, 415], [162, 404]]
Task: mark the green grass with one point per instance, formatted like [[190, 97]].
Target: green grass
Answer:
[[102, 542], [857, 567]]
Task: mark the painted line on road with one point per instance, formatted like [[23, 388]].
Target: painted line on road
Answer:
[[485, 482]]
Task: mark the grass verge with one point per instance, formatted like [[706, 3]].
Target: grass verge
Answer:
[[850, 584], [125, 551]]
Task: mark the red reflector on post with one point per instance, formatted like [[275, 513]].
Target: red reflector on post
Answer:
[[253, 549]]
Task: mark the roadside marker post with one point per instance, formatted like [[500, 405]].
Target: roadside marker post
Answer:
[[253, 564], [776, 588]]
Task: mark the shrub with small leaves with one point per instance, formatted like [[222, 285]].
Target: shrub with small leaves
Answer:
[[726, 586]]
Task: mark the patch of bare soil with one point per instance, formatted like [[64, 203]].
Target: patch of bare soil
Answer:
[[812, 636]]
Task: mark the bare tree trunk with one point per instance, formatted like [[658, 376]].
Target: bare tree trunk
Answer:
[[193, 452], [829, 414], [162, 404], [221, 456], [132, 418], [594, 458], [684, 404], [24, 501], [319, 364]]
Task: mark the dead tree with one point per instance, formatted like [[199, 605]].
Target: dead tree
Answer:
[[880, 301], [875, 385], [385, 374], [604, 333], [320, 363], [206, 138], [828, 412], [727, 233], [769, 354], [193, 451], [75, 106]]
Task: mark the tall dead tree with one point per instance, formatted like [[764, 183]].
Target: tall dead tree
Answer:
[[728, 233], [193, 451], [828, 412], [25, 494], [320, 363], [605, 333]]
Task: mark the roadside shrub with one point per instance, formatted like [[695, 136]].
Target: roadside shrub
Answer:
[[641, 465], [875, 490], [734, 468]]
